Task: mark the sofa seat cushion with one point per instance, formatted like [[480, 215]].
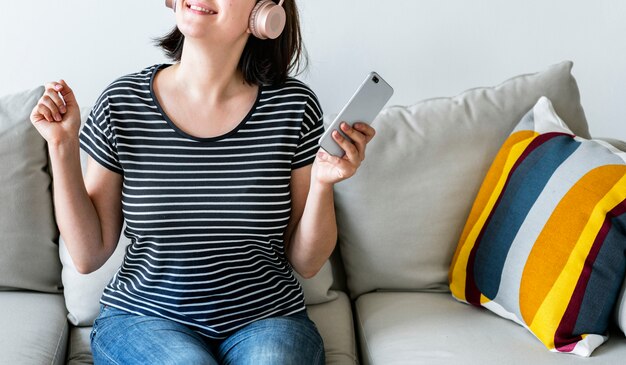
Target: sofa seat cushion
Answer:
[[333, 320], [34, 328], [79, 347], [433, 328]]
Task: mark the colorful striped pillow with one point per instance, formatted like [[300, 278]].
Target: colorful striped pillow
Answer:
[[545, 241]]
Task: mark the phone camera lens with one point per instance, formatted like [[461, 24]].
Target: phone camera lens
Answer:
[[375, 79]]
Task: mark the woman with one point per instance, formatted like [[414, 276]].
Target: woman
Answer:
[[213, 164]]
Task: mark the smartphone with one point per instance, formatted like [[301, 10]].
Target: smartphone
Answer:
[[368, 100]]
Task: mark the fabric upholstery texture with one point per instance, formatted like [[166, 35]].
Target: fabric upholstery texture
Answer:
[[34, 328], [434, 329], [401, 215], [544, 243], [29, 252], [334, 322], [318, 288], [79, 346], [83, 291]]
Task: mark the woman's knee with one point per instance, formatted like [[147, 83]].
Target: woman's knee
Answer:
[[282, 340], [148, 340]]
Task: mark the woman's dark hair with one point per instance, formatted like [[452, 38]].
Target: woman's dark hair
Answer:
[[263, 62]]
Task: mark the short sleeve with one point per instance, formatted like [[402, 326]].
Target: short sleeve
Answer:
[[97, 137], [311, 130]]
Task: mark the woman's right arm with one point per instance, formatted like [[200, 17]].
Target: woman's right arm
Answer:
[[88, 211]]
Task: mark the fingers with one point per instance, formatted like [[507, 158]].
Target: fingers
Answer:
[[360, 134], [68, 94], [366, 129], [49, 109], [52, 95], [41, 112], [350, 148], [51, 106], [342, 168]]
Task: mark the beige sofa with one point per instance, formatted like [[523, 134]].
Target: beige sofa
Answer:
[[383, 296]]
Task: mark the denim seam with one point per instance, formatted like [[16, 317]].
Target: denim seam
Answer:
[[105, 354], [319, 355]]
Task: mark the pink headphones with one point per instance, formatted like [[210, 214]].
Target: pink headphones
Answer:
[[267, 19]]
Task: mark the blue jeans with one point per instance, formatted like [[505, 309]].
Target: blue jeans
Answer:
[[119, 337]]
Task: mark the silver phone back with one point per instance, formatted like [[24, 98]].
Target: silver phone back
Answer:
[[363, 106]]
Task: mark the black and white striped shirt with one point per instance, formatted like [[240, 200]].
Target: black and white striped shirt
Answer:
[[205, 216]]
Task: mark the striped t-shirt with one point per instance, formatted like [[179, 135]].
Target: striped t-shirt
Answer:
[[205, 216]]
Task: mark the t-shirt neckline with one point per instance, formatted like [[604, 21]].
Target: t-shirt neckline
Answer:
[[187, 135]]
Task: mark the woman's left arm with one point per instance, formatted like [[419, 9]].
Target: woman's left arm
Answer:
[[311, 234]]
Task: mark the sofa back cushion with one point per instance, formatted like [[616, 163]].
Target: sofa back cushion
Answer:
[[29, 256], [401, 215]]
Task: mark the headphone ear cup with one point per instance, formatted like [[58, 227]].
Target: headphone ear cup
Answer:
[[267, 20]]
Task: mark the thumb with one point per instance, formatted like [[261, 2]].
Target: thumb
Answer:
[[68, 95]]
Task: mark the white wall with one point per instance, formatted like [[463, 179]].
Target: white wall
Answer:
[[425, 48]]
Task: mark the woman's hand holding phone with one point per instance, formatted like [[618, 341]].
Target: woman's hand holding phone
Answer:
[[57, 115], [329, 169], [343, 143], [363, 107]]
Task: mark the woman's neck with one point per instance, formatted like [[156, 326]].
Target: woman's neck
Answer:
[[209, 73]]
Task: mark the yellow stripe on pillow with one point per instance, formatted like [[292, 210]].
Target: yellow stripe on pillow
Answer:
[[551, 310], [489, 192]]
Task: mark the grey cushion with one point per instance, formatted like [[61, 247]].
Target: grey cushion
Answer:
[[339, 274], [401, 215], [79, 347], [83, 291], [29, 256], [433, 328], [334, 322], [332, 318], [317, 289], [33, 328]]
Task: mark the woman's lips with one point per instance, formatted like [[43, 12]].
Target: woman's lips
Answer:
[[200, 8]]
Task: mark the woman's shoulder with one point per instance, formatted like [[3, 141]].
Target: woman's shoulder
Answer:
[[136, 83], [141, 77], [292, 86]]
